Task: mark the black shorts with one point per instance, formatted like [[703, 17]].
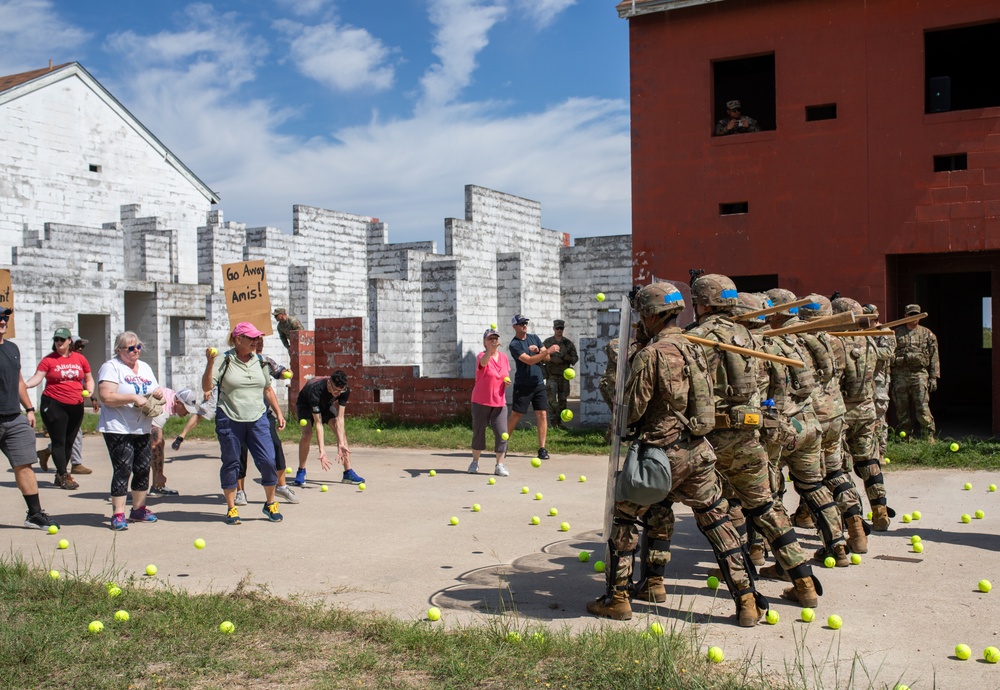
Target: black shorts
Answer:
[[528, 395], [305, 412]]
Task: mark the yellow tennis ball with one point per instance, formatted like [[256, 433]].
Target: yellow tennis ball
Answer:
[[454, 521], [324, 488], [829, 562], [562, 477], [121, 615], [712, 582], [362, 486], [199, 544], [535, 520], [916, 515], [114, 591], [476, 507], [524, 489], [564, 527], [993, 488], [553, 512], [985, 586], [953, 447], [493, 326], [514, 637], [286, 374], [600, 297], [569, 375], [53, 529], [85, 393], [808, 615], [505, 436], [918, 547], [566, 415], [856, 558], [598, 566], [63, 543], [302, 422], [151, 570], [963, 652], [772, 617], [966, 518], [907, 517], [991, 654], [213, 351], [980, 515], [967, 486], [715, 655], [583, 478], [506, 379], [54, 574], [902, 434], [536, 462], [491, 481], [227, 627], [538, 496], [584, 556], [433, 613], [433, 473], [95, 627], [834, 622], [656, 629]]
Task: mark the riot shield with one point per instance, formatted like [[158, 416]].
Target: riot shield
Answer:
[[619, 416]]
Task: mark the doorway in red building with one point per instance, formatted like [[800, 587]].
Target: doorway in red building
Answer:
[[956, 290]]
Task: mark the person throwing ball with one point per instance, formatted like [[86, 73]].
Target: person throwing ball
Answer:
[[320, 402]]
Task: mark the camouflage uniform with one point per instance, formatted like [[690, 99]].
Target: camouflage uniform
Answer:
[[556, 385], [661, 393], [882, 379], [287, 326], [915, 371]]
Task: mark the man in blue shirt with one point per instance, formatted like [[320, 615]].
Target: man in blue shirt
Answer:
[[529, 382]]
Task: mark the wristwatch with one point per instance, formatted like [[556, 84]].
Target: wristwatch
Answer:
[[28, 409]]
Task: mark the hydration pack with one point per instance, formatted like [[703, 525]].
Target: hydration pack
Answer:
[[736, 375]]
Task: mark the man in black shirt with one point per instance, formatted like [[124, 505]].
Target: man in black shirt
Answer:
[[17, 432], [529, 382], [320, 402]]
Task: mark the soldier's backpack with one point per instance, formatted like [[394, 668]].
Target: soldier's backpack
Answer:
[[820, 348], [858, 383], [736, 377], [700, 413]]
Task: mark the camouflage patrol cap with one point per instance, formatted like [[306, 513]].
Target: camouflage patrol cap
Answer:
[[845, 304], [912, 309], [870, 309], [783, 296], [658, 298], [818, 308], [714, 290]]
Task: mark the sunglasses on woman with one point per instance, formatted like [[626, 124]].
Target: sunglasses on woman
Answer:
[[133, 348]]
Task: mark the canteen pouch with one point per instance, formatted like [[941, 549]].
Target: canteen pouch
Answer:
[[645, 478]]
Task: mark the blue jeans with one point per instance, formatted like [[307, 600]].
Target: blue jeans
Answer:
[[257, 438]]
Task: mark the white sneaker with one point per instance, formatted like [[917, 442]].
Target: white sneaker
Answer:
[[474, 467], [500, 470], [241, 497], [286, 493]]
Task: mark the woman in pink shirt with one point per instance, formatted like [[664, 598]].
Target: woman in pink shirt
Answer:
[[489, 402]]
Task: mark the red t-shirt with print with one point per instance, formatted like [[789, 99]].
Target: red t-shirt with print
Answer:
[[65, 377]]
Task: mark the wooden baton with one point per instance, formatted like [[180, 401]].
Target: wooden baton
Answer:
[[745, 351], [851, 334], [771, 310], [908, 319], [842, 319]]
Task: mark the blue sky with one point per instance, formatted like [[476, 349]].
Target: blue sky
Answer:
[[383, 108]]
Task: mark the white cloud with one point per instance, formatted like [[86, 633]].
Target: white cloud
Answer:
[[343, 58], [32, 33], [304, 8], [462, 27], [544, 11]]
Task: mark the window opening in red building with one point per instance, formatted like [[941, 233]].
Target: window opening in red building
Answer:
[[954, 161], [821, 112], [960, 68], [750, 81], [734, 208], [758, 283]]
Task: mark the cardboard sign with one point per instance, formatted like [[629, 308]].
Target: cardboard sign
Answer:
[[7, 299], [247, 298]]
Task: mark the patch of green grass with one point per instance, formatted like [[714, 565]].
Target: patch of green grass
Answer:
[[972, 453], [172, 640]]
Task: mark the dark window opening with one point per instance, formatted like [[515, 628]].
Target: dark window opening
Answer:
[[384, 395], [734, 208], [955, 161], [960, 68], [749, 81], [759, 283], [821, 112], [95, 168]]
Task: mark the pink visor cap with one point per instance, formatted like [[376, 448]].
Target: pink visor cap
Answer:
[[247, 329]]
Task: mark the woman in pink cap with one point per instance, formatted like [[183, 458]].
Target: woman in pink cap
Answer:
[[243, 383]]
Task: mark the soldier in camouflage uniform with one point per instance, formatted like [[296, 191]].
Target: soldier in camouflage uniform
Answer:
[[740, 457], [915, 373], [881, 382], [791, 389], [861, 422], [556, 384], [286, 324], [668, 387]]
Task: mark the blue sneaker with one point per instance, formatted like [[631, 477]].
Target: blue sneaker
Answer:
[[351, 477], [141, 514], [271, 511], [233, 517], [300, 477], [118, 522]]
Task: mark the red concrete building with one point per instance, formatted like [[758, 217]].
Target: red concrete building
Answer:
[[876, 170]]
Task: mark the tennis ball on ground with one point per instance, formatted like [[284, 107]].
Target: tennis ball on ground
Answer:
[[993, 487], [121, 615], [966, 518], [114, 591], [151, 570], [829, 562], [598, 566], [433, 613], [991, 654], [199, 544], [537, 638], [476, 507], [918, 547], [600, 297], [524, 489], [535, 519], [856, 558], [772, 617], [715, 655], [562, 477], [286, 374], [834, 622], [915, 539], [953, 447], [538, 496], [566, 415], [569, 375], [378, 431], [227, 627], [454, 520], [916, 514], [900, 686], [585, 556], [362, 486], [491, 481], [712, 582], [85, 393], [54, 574], [95, 627], [564, 527], [302, 422], [504, 436], [583, 478], [433, 473], [656, 629], [985, 586], [907, 517], [808, 615], [967, 486], [53, 529], [980, 515], [324, 488], [902, 434], [64, 543], [553, 512], [536, 462], [514, 637], [963, 652]]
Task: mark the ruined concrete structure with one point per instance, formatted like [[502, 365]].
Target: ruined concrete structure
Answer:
[[104, 230]]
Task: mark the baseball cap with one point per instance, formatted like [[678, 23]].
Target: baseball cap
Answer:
[[912, 309], [489, 332], [518, 319], [186, 396], [279, 311], [247, 329], [62, 333]]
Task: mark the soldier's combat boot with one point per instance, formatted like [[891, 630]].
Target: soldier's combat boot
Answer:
[[774, 572], [804, 592], [615, 606], [880, 518], [840, 555], [757, 554], [747, 612], [651, 590], [857, 540], [802, 518]]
